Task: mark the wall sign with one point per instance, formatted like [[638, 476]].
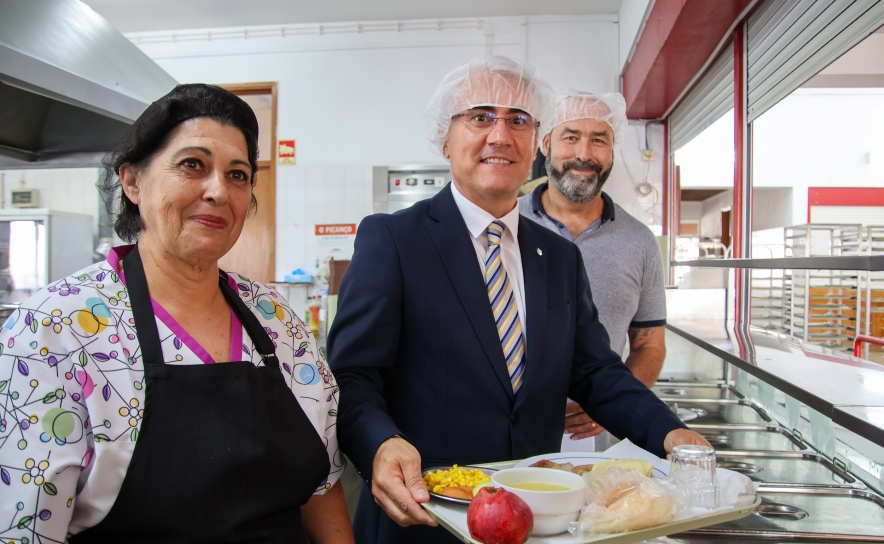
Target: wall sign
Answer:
[[334, 241], [338, 229], [285, 152]]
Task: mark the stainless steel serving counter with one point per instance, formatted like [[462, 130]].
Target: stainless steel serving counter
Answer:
[[847, 390], [805, 423]]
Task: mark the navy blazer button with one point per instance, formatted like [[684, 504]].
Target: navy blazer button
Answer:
[[515, 419]]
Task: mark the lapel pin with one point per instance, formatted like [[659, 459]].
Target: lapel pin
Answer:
[[539, 252]]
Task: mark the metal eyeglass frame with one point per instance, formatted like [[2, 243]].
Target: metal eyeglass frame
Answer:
[[494, 118]]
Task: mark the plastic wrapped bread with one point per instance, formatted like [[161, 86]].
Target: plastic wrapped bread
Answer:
[[620, 500]]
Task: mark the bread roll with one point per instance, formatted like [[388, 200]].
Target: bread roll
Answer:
[[623, 500], [642, 467]]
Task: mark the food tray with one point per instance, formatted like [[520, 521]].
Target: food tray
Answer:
[[454, 518]]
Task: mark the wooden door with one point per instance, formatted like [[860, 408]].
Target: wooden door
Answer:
[[726, 228], [254, 254]]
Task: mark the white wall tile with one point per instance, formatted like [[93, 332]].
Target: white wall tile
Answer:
[[314, 174], [297, 200], [282, 202], [354, 212], [314, 196], [297, 175], [334, 174], [334, 195], [315, 215], [354, 174]]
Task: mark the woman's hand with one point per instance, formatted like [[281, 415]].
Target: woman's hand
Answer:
[[325, 518]]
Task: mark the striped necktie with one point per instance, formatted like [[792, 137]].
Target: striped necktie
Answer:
[[503, 304]]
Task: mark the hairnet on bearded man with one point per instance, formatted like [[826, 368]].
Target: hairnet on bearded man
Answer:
[[609, 108]]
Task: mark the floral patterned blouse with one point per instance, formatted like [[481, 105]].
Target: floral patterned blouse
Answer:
[[72, 394]]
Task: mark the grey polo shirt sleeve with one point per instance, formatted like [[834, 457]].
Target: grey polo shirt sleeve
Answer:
[[651, 310]]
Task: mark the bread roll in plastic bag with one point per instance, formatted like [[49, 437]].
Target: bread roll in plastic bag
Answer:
[[620, 500]]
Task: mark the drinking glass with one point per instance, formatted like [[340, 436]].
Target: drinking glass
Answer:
[[702, 483]]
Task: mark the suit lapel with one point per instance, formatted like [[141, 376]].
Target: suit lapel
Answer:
[[452, 239], [534, 273]]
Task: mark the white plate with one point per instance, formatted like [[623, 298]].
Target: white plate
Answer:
[[576, 458]]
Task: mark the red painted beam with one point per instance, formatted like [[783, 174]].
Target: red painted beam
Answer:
[[677, 40], [739, 217], [738, 211], [667, 172], [845, 196]]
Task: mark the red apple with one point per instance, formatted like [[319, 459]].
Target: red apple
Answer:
[[496, 516]]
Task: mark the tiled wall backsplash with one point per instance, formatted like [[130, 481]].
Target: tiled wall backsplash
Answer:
[[311, 195]]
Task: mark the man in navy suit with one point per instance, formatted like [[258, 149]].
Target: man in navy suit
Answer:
[[462, 329]]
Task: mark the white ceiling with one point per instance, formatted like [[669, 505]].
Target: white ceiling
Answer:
[[147, 15]]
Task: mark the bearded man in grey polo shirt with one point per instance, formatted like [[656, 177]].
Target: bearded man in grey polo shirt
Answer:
[[622, 257]]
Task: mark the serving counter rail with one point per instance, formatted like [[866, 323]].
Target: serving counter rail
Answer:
[[805, 423]]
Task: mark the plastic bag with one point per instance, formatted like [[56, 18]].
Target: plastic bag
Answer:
[[620, 500]]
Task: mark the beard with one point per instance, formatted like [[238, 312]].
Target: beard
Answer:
[[577, 188]]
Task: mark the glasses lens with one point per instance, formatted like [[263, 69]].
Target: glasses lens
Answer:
[[485, 120], [482, 120], [520, 122]]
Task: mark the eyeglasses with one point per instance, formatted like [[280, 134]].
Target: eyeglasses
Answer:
[[484, 120]]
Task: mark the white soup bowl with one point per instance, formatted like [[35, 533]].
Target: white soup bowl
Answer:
[[553, 510]]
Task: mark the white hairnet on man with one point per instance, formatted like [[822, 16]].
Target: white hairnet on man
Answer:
[[609, 108], [489, 81]]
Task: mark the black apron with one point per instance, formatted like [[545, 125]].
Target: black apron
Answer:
[[225, 453]]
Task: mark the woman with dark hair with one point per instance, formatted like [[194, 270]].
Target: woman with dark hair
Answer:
[[117, 425]]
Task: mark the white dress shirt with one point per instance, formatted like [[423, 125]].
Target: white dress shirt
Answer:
[[477, 221]]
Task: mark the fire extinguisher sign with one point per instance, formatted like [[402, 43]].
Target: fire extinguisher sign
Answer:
[[285, 152]]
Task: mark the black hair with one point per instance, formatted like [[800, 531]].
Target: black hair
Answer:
[[149, 133]]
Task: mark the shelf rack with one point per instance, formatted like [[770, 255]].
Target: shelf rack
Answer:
[[824, 305]]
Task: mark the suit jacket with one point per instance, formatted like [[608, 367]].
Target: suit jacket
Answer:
[[415, 351]]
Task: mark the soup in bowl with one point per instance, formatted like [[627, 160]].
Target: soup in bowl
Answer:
[[554, 496]]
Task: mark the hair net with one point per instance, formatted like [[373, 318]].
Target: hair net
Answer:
[[488, 81], [608, 107]]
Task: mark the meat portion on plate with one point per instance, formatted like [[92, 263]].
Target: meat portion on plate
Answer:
[[567, 467]]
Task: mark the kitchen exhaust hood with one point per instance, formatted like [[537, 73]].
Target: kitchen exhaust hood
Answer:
[[70, 84]]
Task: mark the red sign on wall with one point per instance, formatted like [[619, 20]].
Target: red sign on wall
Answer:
[[336, 229], [285, 152]]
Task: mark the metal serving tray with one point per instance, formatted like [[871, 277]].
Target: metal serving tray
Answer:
[[790, 469], [807, 515], [748, 437], [679, 391], [722, 411]]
